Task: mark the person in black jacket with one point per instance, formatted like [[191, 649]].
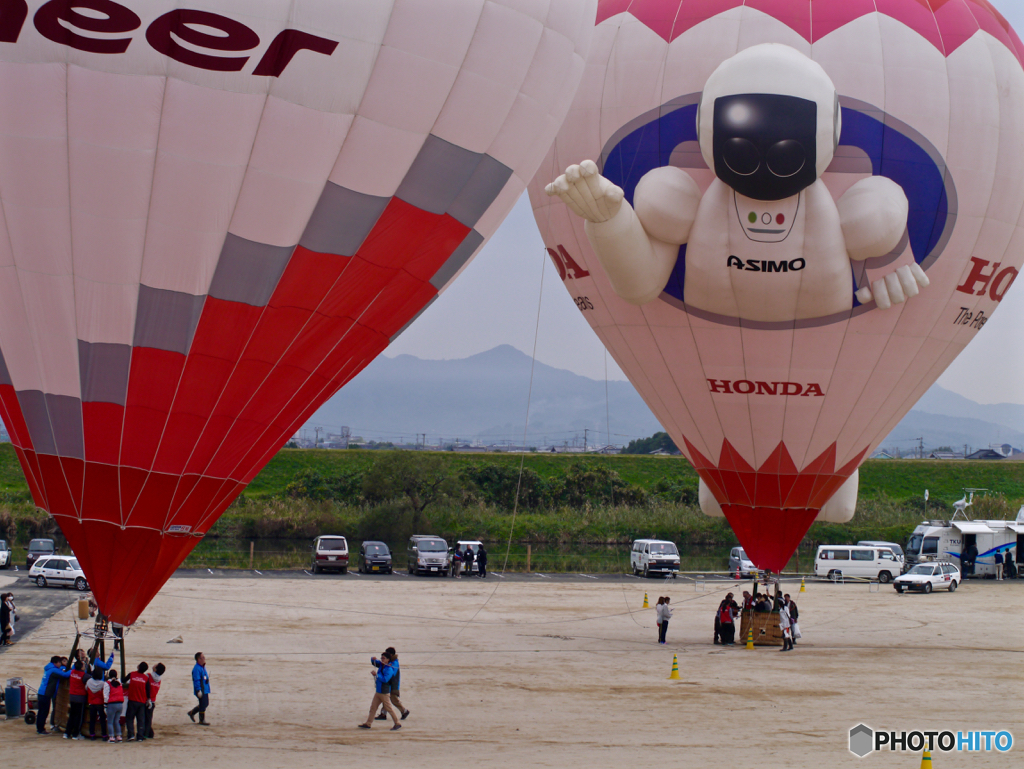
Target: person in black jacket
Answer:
[[5, 621], [481, 560]]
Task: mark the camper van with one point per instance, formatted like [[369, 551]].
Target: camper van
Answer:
[[854, 561], [948, 540]]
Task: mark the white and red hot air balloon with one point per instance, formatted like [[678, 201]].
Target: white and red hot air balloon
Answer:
[[215, 216], [798, 213]]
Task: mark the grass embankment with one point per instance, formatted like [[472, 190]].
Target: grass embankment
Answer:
[[890, 504]]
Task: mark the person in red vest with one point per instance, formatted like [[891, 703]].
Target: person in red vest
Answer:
[[114, 699], [154, 687], [76, 713], [95, 689], [138, 697]]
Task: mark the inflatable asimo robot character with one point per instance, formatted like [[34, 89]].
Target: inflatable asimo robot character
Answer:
[[766, 241]]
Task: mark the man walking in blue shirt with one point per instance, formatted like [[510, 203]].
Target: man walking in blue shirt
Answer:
[[201, 688]]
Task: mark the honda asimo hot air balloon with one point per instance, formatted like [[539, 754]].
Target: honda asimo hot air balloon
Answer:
[[215, 216], [788, 218]]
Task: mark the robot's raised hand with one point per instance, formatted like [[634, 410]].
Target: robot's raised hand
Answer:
[[894, 288], [587, 193]]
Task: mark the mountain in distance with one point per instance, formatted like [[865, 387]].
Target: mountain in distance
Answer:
[[483, 398]]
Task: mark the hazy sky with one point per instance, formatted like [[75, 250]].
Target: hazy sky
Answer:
[[495, 300]]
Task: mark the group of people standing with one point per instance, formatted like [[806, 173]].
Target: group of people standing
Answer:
[[95, 689], [759, 603], [387, 680], [8, 616], [463, 560]]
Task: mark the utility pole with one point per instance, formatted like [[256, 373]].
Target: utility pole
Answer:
[[585, 431], [316, 441], [965, 451], [920, 447]]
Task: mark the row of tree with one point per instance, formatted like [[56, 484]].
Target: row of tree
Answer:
[[423, 479]]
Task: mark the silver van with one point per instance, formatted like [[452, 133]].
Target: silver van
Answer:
[[428, 554]]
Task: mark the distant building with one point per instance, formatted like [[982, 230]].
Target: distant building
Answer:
[[883, 455], [985, 454], [946, 455]]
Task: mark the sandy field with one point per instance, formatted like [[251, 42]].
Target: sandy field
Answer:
[[550, 673]]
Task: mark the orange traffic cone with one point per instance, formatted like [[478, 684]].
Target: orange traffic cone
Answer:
[[737, 574]]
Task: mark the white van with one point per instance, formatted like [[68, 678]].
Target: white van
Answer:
[[654, 556], [855, 561]]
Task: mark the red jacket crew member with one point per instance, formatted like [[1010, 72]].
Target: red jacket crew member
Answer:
[[138, 699]]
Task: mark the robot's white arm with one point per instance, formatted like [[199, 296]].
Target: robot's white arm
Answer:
[[873, 215], [637, 248]]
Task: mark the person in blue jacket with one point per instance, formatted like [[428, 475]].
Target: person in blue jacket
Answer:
[[201, 688], [382, 674], [47, 689], [396, 684], [94, 662]]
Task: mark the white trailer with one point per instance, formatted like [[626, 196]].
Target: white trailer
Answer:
[[947, 541]]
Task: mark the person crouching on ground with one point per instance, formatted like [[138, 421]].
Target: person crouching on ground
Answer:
[[382, 675], [396, 683], [154, 686], [96, 690], [138, 696], [114, 700]]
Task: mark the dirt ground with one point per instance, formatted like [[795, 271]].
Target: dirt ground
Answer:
[[551, 674]]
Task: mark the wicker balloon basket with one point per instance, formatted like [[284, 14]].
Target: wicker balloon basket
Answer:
[[766, 628]]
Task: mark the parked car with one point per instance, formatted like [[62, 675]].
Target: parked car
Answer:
[[330, 552], [654, 556], [738, 560], [6, 555], [56, 570], [37, 548], [374, 557], [474, 547], [929, 576], [427, 554]]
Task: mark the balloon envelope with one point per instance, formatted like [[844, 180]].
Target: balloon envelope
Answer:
[[774, 392], [214, 218]]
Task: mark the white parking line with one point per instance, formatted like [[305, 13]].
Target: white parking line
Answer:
[[545, 576], [587, 576], [258, 572], [306, 572]]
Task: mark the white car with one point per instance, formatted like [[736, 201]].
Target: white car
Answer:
[[5, 555], [928, 577], [58, 570]]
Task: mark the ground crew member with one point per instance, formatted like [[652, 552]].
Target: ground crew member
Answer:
[[52, 674], [76, 713], [114, 702], [138, 696], [154, 687], [94, 688]]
